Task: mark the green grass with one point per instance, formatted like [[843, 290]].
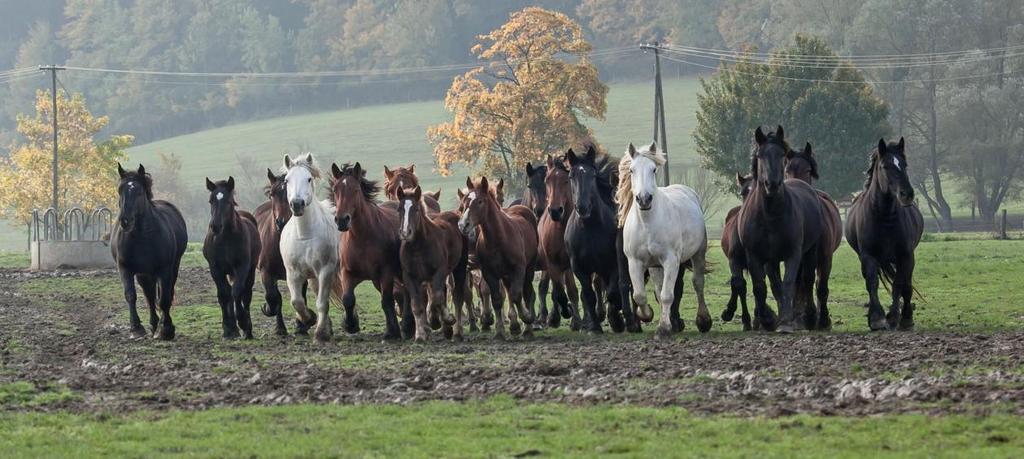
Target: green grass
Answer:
[[499, 427], [24, 394]]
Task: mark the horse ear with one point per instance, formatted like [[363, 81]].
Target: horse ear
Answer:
[[483, 183], [142, 170], [271, 176], [436, 195], [654, 147], [739, 179], [469, 185], [571, 156], [231, 183], [881, 146], [309, 158], [287, 162], [120, 171], [209, 185], [529, 169], [417, 193], [335, 171], [780, 133], [388, 173], [759, 136], [591, 153], [632, 150], [902, 144], [412, 168], [807, 149], [358, 168], [550, 162], [460, 194], [501, 185]]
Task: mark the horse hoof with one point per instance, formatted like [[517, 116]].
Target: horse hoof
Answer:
[[499, 337], [281, 331], [906, 325], [514, 329], [728, 314], [458, 338], [663, 332], [554, 321], [139, 331], [615, 321], [786, 327], [824, 323], [352, 325], [704, 324], [447, 331], [527, 333], [435, 322], [678, 325], [268, 310], [323, 335], [542, 318], [166, 333], [566, 310], [486, 322], [878, 322]]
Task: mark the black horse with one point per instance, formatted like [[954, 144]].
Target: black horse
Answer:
[[781, 221], [147, 245], [536, 198], [232, 250], [590, 238], [884, 227]]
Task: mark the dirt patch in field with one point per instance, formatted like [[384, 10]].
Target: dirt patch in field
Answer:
[[70, 339]]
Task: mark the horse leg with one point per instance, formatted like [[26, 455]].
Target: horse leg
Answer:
[[677, 297], [514, 328], [130, 297], [876, 317], [636, 279], [806, 311], [625, 286], [907, 318], [558, 298], [439, 304], [787, 313], [325, 282], [166, 295], [589, 296], [225, 300], [467, 301], [899, 284], [699, 266], [824, 272], [775, 282], [148, 285], [242, 280], [392, 331], [527, 296], [413, 290], [496, 300], [762, 314], [297, 290], [616, 311], [666, 289], [272, 307], [543, 286], [483, 290]]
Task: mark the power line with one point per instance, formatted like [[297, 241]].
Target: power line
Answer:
[[868, 58], [826, 62]]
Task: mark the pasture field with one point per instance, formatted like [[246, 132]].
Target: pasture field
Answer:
[[74, 382]]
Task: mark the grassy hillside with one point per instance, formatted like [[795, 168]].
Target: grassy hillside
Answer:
[[396, 135]]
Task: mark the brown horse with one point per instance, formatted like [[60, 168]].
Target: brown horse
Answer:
[[506, 250], [476, 280], [737, 257], [433, 250], [551, 232], [231, 249], [781, 221], [405, 177], [369, 247], [536, 198], [271, 216], [802, 165]]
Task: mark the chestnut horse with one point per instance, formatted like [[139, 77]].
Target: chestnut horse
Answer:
[[506, 250], [231, 249], [271, 216], [369, 247], [884, 227], [781, 221], [433, 250], [147, 245], [405, 177], [551, 232]]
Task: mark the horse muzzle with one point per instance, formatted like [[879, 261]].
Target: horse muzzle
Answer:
[[127, 224], [906, 199], [298, 206], [280, 222], [344, 222], [215, 229], [643, 201], [556, 213]]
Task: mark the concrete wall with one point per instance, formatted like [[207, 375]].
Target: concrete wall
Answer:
[[50, 255]]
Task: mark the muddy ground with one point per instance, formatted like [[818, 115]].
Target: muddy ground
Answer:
[[77, 339]]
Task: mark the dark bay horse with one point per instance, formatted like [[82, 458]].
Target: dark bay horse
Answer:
[[271, 216], [405, 177], [231, 249], [506, 250], [369, 247], [433, 251], [781, 221], [147, 245], [802, 165], [884, 226], [590, 238], [537, 200], [737, 256], [551, 233]]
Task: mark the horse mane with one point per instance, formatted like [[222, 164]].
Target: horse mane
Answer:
[[370, 188], [607, 178], [145, 179], [311, 166], [624, 192]]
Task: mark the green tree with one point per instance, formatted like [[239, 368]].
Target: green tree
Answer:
[[841, 120]]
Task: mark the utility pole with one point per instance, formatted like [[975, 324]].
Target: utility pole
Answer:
[[53, 99], [659, 107]]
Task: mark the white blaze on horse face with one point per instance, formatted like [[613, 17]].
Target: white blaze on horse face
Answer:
[[465, 216], [131, 186], [299, 185], [405, 217], [896, 162], [220, 196]]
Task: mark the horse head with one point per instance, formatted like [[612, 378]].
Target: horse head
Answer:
[[299, 177], [801, 165], [477, 204], [222, 203], [889, 170], [410, 209], [134, 192], [556, 182], [769, 160], [745, 182], [351, 191], [642, 169], [536, 193], [583, 180], [277, 191], [398, 178]]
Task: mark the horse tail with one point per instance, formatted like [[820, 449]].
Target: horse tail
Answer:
[[624, 193]]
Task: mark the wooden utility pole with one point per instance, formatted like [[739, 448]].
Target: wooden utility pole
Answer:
[[53, 99], [659, 107]]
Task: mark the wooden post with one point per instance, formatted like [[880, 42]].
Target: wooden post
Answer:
[[1002, 231], [659, 108], [53, 96]]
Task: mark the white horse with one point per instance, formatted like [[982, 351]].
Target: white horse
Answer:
[[309, 244], [663, 229]]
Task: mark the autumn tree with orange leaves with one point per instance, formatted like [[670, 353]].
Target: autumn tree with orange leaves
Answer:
[[525, 102]]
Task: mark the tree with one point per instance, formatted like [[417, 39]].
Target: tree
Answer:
[[87, 169], [526, 103], [841, 120]]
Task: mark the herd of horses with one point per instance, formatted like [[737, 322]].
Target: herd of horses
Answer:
[[586, 220]]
